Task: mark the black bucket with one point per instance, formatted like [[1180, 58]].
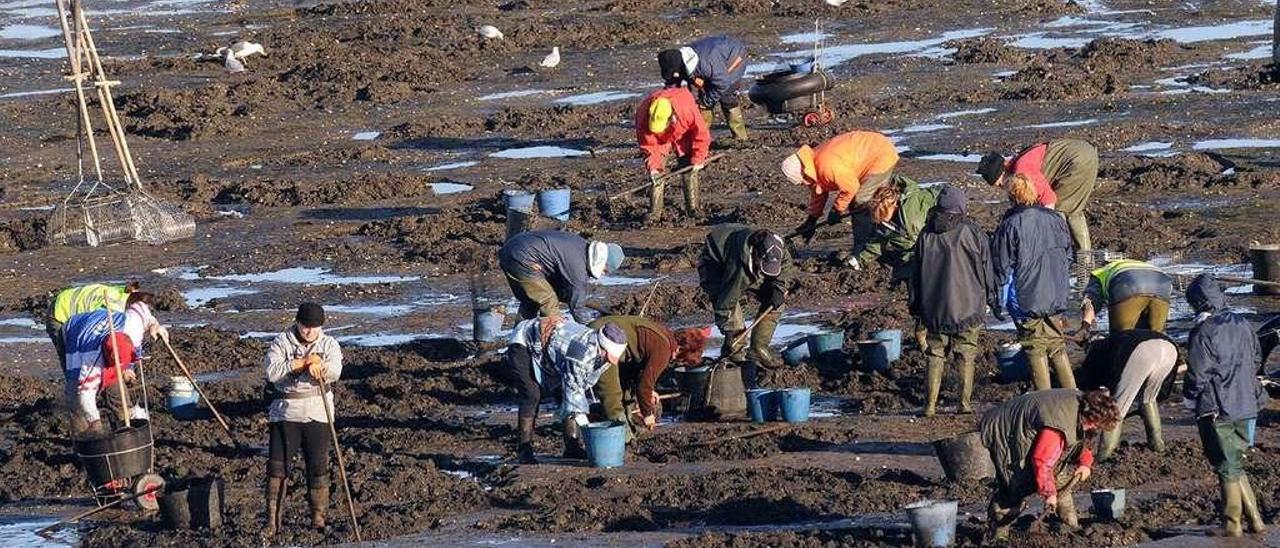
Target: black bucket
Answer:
[[124, 454], [964, 457], [205, 501], [725, 398], [1266, 267], [174, 508]]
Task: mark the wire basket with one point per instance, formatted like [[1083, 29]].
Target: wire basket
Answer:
[[102, 218]]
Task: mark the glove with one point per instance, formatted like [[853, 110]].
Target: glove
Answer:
[[316, 367], [807, 229], [160, 332], [773, 297], [998, 311], [834, 217], [854, 264]]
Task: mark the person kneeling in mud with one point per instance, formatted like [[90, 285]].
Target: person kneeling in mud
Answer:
[[650, 349], [551, 351], [1126, 364], [297, 363], [1031, 439]]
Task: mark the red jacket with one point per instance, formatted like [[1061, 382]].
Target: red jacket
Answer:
[[1030, 163], [688, 133], [1044, 456], [122, 346]]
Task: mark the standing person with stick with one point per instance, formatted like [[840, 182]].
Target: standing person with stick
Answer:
[[299, 364]]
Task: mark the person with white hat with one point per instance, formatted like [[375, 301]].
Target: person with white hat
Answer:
[[851, 165], [714, 66], [545, 267]]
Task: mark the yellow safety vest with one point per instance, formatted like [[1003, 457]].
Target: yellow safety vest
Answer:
[[87, 298], [1113, 268]]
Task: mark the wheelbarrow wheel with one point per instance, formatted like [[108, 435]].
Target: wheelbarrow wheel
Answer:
[[812, 119], [148, 502], [827, 114]]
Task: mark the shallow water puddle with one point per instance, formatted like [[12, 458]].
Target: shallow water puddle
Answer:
[[804, 37], [835, 55], [595, 98], [450, 188], [971, 112], [1225, 31], [1261, 51], [1223, 144], [201, 296], [541, 151], [24, 340], [28, 32], [366, 135], [453, 165], [22, 322], [51, 53], [20, 532], [311, 276], [784, 334], [514, 94], [1149, 146], [611, 281], [924, 128], [947, 157], [1068, 123]]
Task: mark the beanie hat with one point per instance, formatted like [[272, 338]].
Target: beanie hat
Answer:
[[671, 63], [613, 340], [991, 167], [310, 315], [793, 169], [603, 258], [952, 199], [660, 112]]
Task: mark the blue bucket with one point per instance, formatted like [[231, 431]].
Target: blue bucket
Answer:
[[763, 404], [554, 203], [1012, 363], [795, 404], [894, 338], [486, 324], [875, 355], [606, 443], [826, 347], [1251, 428], [933, 523], [518, 200], [796, 353], [182, 400]]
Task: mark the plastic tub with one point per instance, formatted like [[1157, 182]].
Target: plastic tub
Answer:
[[486, 325], [796, 353], [795, 404], [894, 338], [518, 200], [763, 404], [964, 458], [826, 347], [182, 398], [1012, 363], [875, 355], [124, 454], [1108, 504], [555, 203], [606, 443]]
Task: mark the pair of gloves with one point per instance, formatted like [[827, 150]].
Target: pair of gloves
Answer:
[[807, 229], [771, 296], [312, 364]]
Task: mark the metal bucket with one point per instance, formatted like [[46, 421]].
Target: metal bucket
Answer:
[[964, 457], [1266, 267], [933, 523]]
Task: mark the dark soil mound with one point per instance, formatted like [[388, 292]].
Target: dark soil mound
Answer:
[[987, 49], [453, 241], [1184, 171], [23, 234], [1253, 76]]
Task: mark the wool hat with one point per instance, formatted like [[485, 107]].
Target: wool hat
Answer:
[[613, 340], [952, 199], [603, 258], [310, 315], [793, 169], [991, 167], [660, 112], [690, 58], [671, 63]]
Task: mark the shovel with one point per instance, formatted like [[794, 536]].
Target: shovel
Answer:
[[663, 177], [342, 465]]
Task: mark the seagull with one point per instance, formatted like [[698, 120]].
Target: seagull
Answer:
[[836, 3], [230, 62], [552, 59], [489, 31], [239, 50]]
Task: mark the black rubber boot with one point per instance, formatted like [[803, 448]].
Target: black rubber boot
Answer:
[[573, 448], [524, 450]]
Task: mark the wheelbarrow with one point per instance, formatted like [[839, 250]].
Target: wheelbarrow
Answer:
[[800, 91]]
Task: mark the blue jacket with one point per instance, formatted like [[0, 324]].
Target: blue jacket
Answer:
[[1223, 356], [560, 257], [1031, 253], [722, 62]]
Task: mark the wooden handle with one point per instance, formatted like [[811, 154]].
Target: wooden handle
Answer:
[[663, 177], [342, 465], [190, 377]]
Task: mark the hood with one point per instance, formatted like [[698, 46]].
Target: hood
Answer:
[[941, 221], [1205, 294]]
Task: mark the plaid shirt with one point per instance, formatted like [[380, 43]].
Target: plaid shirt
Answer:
[[571, 353]]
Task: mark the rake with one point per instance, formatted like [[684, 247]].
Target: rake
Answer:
[[96, 212]]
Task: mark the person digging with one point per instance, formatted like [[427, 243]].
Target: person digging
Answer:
[[950, 286], [668, 121], [72, 301], [1064, 172], [1136, 295], [545, 267], [1128, 364], [714, 66], [651, 347], [1033, 441], [298, 363], [1221, 386], [553, 351], [736, 259]]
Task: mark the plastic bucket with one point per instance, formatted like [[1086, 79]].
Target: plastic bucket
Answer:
[[518, 200], [1266, 267], [486, 324], [875, 355], [763, 404], [606, 443], [174, 509], [796, 353], [554, 203], [1012, 363], [894, 339], [182, 399], [933, 523], [795, 404], [125, 454], [826, 347], [1108, 504], [964, 458]]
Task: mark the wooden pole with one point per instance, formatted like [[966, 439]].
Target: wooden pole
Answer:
[[1248, 281], [342, 466], [115, 358], [187, 373], [77, 77]]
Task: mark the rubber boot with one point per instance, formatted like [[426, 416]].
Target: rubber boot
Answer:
[[275, 488], [737, 124], [1232, 505], [966, 385], [656, 195], [319, 499], [1067, 510], [933, 384], [1062, 369], [1039, 371], [1109, 441], [708, 115], [922, 339], [1079, 226], [733, 353], [1249, 503], [1151, 420], [573, 448], [692, 198], [524, 451]]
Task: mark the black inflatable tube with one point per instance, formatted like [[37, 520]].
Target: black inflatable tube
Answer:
[[779, 87]]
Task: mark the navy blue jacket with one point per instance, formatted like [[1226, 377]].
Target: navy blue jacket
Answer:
[[1031, 252], [1223, 356], [952, 281], [560, 257], [722, 62]]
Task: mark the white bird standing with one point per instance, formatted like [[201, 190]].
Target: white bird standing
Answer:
[[552, 59], [230, 62], [238, 51], [489, 31]]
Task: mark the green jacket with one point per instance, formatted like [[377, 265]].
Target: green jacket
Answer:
[[1009, 431], [649, 348], [87, 298], [898, 238], [726, 269]]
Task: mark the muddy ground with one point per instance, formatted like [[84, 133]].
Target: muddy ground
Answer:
[[267, 162]]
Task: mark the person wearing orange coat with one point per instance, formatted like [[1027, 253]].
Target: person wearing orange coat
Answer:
[[668, 120], [852, 165]]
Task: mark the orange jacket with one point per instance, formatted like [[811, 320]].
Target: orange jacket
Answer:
[[842, 163], [688, 132]]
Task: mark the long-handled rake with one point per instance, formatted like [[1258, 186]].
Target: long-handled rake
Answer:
[[97, 212]]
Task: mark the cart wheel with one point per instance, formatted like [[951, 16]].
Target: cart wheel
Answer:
[[812, 119], [827, 115], [148, 502]]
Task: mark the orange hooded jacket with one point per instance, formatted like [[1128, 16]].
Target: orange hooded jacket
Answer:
[[688, 132], [842, 164]]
